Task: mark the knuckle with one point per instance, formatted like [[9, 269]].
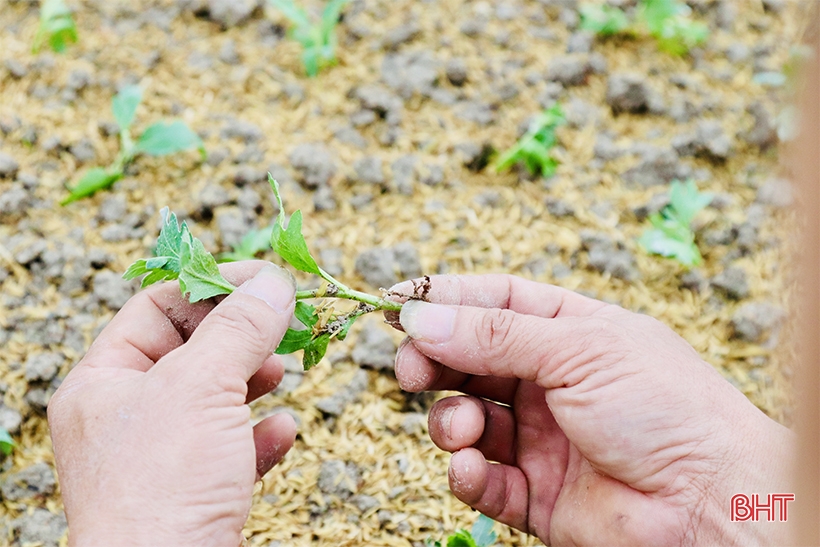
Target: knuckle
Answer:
[[494, 332], [243, 324]]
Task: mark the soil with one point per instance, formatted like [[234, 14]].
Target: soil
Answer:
[[401, 131]]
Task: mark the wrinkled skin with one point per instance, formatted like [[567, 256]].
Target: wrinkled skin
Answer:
[[582, 423], [151, 430]]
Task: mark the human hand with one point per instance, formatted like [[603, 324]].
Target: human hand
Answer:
[[606, 426], [151, 430]]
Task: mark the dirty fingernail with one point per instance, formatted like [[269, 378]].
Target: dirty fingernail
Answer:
[[273, 285], [427, 322]]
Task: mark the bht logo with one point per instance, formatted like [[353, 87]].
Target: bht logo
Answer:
[[773, 508]]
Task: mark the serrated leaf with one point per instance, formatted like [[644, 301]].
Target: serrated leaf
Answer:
[[289, 243], [482, 531], [659, 242], [169, 241], [93, 180], [253, 243], [199, 275], [315, 351], [686, 202], [163, 138], [124, 105], [294, 340], [6, 442]]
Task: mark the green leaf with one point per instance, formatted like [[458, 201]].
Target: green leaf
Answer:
[[289, 243], [199, 274], [56, 26], [315, 351], [163, 138], [686, 202], [342, 334], [306, 314], [533, 149], [461, 538], [253, 243], [6, 442], [659, 242], [292, 12], [604, 20], [482, 531], [124, 105], [165, 265], [93, 180], [294, 340]]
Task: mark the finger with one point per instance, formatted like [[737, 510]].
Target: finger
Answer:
[[497, 490], [416, 372], [236, 338], [266, 378], [496, 342], [462, 422], [155, 322], [496, 291], [273, 437]]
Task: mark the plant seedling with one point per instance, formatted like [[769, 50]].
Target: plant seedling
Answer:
[[253, 243], [6, 442], [481, 535], [604, 20], [533, 149], [671, 233], [668, 21], [180, 256], [56, 28], [159, 139], [318, 38]]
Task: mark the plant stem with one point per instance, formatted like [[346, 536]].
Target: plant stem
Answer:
[[345, 292]]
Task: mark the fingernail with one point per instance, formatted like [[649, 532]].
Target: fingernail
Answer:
[[273, 285], [427, 322]]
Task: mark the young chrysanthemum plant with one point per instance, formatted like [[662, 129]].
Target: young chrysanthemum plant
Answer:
[[671, 234], [318, 38], [481, 535], [180, 256], [534, 149], [159, 139], [57, 28], [254, 243]]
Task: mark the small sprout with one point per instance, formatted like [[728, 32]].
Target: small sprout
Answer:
[[603, 20], [252, 245], [671, 233], [481, 535], [534, 148], [56, 28], [180, 256], [159, 139], [6, 442], [318, 39], [669, 23]]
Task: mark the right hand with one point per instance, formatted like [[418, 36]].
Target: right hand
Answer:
[[606, 426]]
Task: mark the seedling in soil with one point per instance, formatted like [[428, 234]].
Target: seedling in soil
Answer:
[[56, 28], [534, 148], [180, 256], [252, 245], [604, 20], [671, 234], [481, 535], [159, 139], [318, 38], [6, 442], [668, 21]]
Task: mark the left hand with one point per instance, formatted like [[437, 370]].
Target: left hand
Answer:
[[151, 430]]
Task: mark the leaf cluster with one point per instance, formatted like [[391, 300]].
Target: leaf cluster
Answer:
[[671, 234], [481, 535], [159, 139], [180, 256], [318, 38], [668, 21], [533, 149], [57, 27]]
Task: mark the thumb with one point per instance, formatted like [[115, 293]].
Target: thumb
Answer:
[[503, 343], [244, 329]]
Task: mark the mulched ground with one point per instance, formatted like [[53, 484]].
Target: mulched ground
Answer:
[[385, 154]]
